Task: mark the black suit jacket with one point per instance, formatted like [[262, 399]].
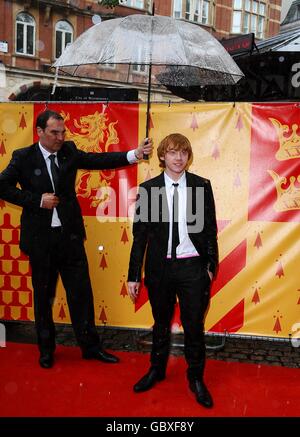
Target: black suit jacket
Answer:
[[28, 169], [154, 235]]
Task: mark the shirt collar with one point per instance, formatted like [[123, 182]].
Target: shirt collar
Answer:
[[181, 181], [45, 152]]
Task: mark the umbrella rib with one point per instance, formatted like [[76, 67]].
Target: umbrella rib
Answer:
[[183, 48], [111, 39]]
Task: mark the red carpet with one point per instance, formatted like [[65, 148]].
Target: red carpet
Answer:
[[76, 387]]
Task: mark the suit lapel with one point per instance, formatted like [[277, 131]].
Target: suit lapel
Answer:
[[190, 198], [62, 157], [160, 180], [41, 169], [164, 213]]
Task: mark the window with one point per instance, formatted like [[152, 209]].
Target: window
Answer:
[[109, 66], [262, 8], [246, 25], [249, 16], [260, 27], [237, 4], [248, 5], [178, 8], [139, 4], [236, 22], [205, 12], [25, 34], [253, 23], [196, 11], [192, 10], [188, 10], [63, 37], [139, 68]]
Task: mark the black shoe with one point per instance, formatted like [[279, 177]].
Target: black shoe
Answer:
[[203, 396], [148, 380], [100, 355], [46, 360]]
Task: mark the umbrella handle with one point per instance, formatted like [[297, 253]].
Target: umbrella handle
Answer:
[[146, 157]]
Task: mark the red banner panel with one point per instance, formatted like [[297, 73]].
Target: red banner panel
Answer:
[[101, 128], [274, 192]]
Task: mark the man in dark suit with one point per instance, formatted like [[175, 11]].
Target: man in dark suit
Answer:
[[52, 228], [175, 224]]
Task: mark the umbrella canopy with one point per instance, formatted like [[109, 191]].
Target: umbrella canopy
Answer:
[[149, 49], [179, 53]]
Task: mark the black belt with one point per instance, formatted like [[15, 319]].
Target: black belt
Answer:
[[187, 260]]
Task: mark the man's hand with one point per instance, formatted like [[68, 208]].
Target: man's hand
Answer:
[[144, 148], [133, 290], [49, 201]]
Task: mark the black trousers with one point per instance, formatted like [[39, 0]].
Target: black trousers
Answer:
[[62, 254], [188, 280]]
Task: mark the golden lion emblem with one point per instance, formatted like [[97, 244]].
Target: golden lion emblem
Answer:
[[93, 134]]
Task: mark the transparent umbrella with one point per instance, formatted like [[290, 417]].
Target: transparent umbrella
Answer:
[[149, 50]]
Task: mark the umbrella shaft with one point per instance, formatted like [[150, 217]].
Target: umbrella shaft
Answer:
[[148, 101]]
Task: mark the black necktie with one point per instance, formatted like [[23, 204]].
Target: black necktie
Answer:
[[175, 232], [54, 171]]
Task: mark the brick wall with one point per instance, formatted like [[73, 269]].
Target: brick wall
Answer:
[[163, 7]]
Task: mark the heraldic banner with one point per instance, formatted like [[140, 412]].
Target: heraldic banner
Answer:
[[250, 153]]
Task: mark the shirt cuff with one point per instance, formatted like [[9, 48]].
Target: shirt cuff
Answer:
[[131, 158]]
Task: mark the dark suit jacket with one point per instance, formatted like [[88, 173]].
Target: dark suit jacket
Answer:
[[28, 169], [154, 234]]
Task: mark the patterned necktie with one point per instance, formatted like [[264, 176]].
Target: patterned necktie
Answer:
[[54, 171], [175, 232]]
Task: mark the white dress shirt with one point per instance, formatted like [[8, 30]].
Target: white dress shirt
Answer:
[[185, 249], [55, 219]]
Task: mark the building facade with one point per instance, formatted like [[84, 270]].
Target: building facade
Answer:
[[227, 18], [34, 33]]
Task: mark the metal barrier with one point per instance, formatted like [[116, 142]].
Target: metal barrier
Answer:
[[142, 341], [2, 335]]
